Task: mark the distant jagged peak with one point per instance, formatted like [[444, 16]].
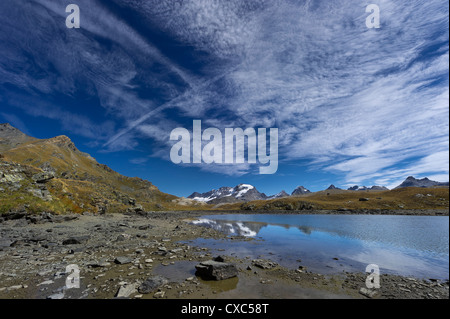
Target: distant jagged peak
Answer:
[[279, 195], [300, 190], [357, 188], [9, 131], [365, 188], [6, 126], [241, 192], [411, 181], [11, 137], [332, 187]]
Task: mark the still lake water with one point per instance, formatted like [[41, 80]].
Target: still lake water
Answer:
[[415, 246]]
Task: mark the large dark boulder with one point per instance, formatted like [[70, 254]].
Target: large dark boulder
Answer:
[[152, 284], [215, 270]]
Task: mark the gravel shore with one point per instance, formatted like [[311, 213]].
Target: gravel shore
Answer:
[[147, 255]]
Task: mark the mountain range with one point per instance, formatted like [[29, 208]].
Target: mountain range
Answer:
[[53, 175], [246, 192]]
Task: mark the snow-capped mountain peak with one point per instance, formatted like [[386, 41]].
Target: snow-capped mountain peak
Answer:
[[242, 189], [242, 192]]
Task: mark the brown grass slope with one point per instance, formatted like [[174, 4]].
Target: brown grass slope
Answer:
[[80, 183], [404, 198]]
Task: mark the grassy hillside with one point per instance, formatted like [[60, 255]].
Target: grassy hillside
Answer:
[[79, 182], [402, 198]]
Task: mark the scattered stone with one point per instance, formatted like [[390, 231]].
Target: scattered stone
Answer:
[[364, 199], [123, 237], [264, 264], [122, 260], [404, 289], [59, 295], [71, 241], [367, 292], [5, 242], [216, 270], [47, 282], [219, 259], [76, 240], [434, 280], [15, 287], [159, 295], [152, 284], [43, 177], [14, 215], [100, 264], [126, 290]]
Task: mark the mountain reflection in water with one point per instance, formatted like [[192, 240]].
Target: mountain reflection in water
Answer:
[[246, 229], [406, 245]]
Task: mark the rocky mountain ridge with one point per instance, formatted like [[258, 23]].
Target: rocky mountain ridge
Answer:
[[53, 175]]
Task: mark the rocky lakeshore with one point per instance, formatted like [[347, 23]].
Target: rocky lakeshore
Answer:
[[148, 255]]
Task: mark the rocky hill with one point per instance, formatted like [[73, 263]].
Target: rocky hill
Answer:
[[300, 190], [10, 137], [424, 182], [52, 175]]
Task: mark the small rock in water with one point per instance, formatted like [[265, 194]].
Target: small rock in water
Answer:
[[216, 270], [264, 264]]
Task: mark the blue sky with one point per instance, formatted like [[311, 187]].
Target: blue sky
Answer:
[[354, 106]]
